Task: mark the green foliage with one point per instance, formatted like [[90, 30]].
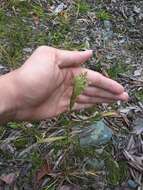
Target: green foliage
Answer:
[[113, 170], [81, 152], [6, 155], [16, 33], [59, 36], [79, 84], [14, 125], [123, 170], [117, 69], [139, 95], [82, 7], [17, 30], [32, 133], [21, 142], [103, 15], [116, 170], [38, 10], [98, 66], [36, 160], [16, 2]]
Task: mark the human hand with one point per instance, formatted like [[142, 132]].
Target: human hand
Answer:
[[44, 84]]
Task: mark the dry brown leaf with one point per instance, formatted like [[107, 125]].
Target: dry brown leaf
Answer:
[[9, 178], [43, 171]]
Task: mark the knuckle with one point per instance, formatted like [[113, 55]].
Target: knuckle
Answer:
[[47, 50], [43, 48]]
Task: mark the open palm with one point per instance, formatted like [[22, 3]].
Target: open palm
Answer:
[[46, 83]]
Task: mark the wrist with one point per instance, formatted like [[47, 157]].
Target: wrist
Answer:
[[8, 97]]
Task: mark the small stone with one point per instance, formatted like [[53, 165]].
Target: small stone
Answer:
[[59, 8], [137, 72], [1, 67], [107, 25], [123, 40], [3, 70], [128, 110], [128, 60], [96, 134], [138, 126], [141, 16], [132, 184], [94, 164], [137, 9], [131, 20], [107, 35], [27, 50], [110, 56]]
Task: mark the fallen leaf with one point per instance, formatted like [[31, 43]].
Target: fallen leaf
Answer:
[[9, 178], [111, 114], [50, 139], [43, 171]]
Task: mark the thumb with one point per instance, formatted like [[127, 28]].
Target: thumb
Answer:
[[73, 58]]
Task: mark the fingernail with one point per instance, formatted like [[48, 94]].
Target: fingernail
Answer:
[[125, 96], [90, 51]]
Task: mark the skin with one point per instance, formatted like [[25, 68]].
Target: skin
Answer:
[[42, 87]]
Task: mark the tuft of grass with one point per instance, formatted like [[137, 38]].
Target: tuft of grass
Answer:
[[14, 35], [113, 168], [17, 30], [82, 7], [38, 11], [14, 125], [36, 159], [116, 170], [117, 69], [21, 143], [59, 35], [103, 15]]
